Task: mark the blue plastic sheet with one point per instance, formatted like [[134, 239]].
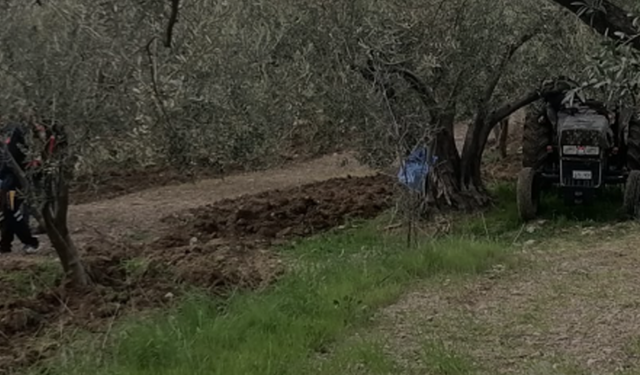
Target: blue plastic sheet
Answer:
[[415, 169]]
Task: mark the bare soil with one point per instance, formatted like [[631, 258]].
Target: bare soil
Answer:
[[116, 183], [143, 249]]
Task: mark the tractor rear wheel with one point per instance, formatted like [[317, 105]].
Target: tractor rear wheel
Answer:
[[633, 144], [631, 201]]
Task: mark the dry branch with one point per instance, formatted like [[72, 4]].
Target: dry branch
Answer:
[[173, 18]]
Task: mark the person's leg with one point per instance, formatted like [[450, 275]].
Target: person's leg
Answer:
[[6, 231], [21, 227]]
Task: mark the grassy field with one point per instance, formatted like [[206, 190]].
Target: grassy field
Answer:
[[335, 284], [319, 317]]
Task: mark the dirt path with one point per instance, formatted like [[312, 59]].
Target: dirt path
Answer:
[[574, 308], [138, 214]]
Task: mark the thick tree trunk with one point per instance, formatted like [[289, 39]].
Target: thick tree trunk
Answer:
[[56, 224], [446, 190], [609, 20], [455, 181], [444, 183], [479, 132], [503, 137]]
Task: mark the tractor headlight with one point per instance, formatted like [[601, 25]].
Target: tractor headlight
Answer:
[[580, 150], [591, 150], [570, 150]]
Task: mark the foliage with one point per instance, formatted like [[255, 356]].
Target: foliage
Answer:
[[614, 71], [242, 81], [249, 83]]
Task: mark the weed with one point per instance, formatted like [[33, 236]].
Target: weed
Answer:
[[32, 280], [440, 360]]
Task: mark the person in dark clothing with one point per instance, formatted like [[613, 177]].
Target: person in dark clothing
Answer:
[[14, 223]]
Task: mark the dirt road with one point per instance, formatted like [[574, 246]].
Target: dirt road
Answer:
[[571, 307], [137, 216]]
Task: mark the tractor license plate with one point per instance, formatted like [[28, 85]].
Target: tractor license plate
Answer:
[[581, 175]]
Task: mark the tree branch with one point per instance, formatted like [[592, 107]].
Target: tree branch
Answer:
[[610, 20], [173, 18], [475, 139], [426, 95], [154, 84], [424, 92], [506, 58], [507, 109]]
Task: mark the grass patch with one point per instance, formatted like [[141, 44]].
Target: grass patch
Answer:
[[559, 366], [360, 357], [502, 222], [440, 360], [336, 283], [32, 280]]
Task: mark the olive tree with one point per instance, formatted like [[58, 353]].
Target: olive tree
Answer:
[[476, 61]]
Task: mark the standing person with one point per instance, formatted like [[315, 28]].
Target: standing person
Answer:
[[14, 222]]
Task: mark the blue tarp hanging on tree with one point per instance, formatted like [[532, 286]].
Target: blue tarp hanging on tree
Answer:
[[415, 169]]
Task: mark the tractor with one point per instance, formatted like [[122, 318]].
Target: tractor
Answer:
[[579, 147]]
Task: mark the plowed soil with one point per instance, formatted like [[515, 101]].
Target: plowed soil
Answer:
[[216, 247], [282, 214]]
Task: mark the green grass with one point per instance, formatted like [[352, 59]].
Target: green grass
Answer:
[[335, 284], [356, 357], [440, 360], [32, 280], [501, 222]]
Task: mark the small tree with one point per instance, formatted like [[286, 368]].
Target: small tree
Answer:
[[49, 199]]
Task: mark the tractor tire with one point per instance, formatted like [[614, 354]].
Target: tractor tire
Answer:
[[631, 200], [633, 145], [528, 194], [535, 139]]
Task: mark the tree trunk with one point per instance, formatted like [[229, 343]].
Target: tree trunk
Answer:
[[472, 152], [503, 137], [445, 190], [56, 223], [455, 182], [479, 132], [444, 185]]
